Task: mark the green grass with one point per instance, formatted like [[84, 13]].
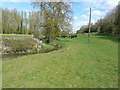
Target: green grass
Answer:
[[77, 65]]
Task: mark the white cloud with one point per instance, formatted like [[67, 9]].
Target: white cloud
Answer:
[[11, 8], [26, 10], [98, 13], [86, 9], [109, 4], [99, 4], [80, 23], [75, 17], [77, 25], [84, 16], [104, 4]]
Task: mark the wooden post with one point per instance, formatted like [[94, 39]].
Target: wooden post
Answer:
[[89, 26]]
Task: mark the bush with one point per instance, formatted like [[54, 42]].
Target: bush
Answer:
[[21, 45]]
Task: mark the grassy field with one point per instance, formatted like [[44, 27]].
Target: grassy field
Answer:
[[77, 65]]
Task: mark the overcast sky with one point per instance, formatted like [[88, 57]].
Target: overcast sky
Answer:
[[80, 9]]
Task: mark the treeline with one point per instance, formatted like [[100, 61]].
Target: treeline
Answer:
[[52, 20], [19, 22], [107, 26]]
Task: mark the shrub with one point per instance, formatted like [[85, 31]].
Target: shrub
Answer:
[[21, 45]]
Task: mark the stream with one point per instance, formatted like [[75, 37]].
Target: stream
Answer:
[[12, 56]]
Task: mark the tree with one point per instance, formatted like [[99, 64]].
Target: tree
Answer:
[[54, 14]]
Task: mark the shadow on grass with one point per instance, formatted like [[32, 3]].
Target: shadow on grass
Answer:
[[108, 37]]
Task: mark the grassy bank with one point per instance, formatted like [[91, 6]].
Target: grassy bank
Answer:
[[76, 65]]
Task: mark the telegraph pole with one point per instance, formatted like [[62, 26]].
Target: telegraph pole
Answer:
[[89, 26]]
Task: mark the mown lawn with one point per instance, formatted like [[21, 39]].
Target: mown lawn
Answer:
[[77, 65]]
